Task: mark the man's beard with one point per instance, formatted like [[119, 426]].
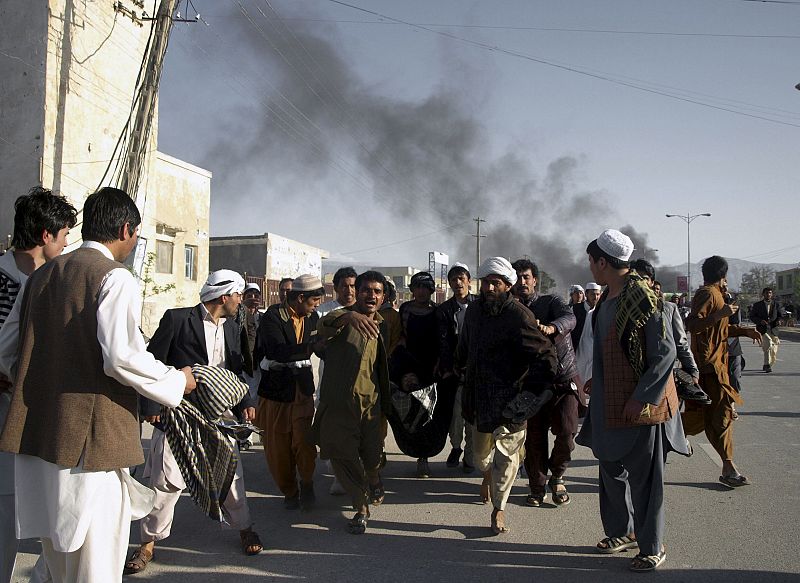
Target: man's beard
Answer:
[[493, 305]]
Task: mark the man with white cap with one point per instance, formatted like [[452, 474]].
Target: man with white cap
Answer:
[[287, 337], [204, 334], [633, 419], [593, 291], [451, 320], [509, 370]]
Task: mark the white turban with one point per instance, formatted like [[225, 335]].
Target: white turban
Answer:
[[498, 266], [221, 283]]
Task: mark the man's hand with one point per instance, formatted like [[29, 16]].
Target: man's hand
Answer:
[[547, 330], [152, 419], [191, 384], [696, 380], [249, 414], [367, 326], [755, 335], [633, 410], [587, 387], [728, 310], [5, 384]]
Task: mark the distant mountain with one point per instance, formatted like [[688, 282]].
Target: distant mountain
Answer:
[[736, 269]]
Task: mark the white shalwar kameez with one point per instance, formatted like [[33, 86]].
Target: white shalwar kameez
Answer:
[[83, 517]]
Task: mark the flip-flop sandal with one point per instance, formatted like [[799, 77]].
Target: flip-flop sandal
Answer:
[[734, 481], [616, 544], [138, 561], [643, 563]]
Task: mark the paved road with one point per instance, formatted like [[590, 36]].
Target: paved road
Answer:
[[436, 530]]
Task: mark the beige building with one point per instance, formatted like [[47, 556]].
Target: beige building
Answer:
[[69, 73]]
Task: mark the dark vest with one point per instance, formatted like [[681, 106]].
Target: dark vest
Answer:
[[63, 404]]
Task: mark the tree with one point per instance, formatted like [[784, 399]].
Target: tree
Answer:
[[757, 279]]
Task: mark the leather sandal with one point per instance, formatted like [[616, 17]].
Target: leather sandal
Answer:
[[499, 522], [377, 493], [535, 498], [358, 524], [560, 497], [251, 544], [138, 561], [616, 544]]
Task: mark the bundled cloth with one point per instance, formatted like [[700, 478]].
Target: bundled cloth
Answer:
[[414, 408], [206, 457]]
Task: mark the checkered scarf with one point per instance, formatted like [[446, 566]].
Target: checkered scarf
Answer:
[[205, 456], [635, 305]]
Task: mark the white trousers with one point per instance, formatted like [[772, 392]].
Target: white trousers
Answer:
[[502, 452], [769, 344], [168, 484], [101, 557]]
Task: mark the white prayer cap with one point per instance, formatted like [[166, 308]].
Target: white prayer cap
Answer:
[[498, 266], [575, 288], [252, 287], [224, 282], [593, 285], [458, 265], [616, 244]]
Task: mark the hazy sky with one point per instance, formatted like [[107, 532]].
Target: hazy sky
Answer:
[[353, 132]]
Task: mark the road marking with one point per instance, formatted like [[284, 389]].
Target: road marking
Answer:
[[711, 453]]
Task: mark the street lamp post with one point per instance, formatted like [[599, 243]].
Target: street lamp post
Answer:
[[687, 218]]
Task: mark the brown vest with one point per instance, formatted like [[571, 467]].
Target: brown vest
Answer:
[[63, 404], [619, 382]]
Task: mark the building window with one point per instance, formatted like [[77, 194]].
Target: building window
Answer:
[[780, 282], [789, 281], [399, 281], [164, 256], [190, 262]]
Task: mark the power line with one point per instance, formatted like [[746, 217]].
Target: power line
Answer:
[[570, 68], [542, 28]]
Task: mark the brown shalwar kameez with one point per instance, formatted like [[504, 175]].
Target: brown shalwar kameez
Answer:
[[348, 425], [710, 349]]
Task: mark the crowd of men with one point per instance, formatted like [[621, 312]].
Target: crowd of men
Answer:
[[492, 373]]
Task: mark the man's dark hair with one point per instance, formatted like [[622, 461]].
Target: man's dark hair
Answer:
[[521, 265], [105, 212], [456, 271], [40, 210], [389, 291], [766, 289], [593, 249], [714, 269], [371, 276], [343, 273], [292, 295], [644, 267], [658, 283]]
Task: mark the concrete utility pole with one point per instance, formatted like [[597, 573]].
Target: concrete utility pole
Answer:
[[140, 130], [478, 238]]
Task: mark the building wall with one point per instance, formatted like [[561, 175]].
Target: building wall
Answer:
[[65, 95], [244, 257], [23, 30], [269, 255], [786, 281], [176, 213]]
